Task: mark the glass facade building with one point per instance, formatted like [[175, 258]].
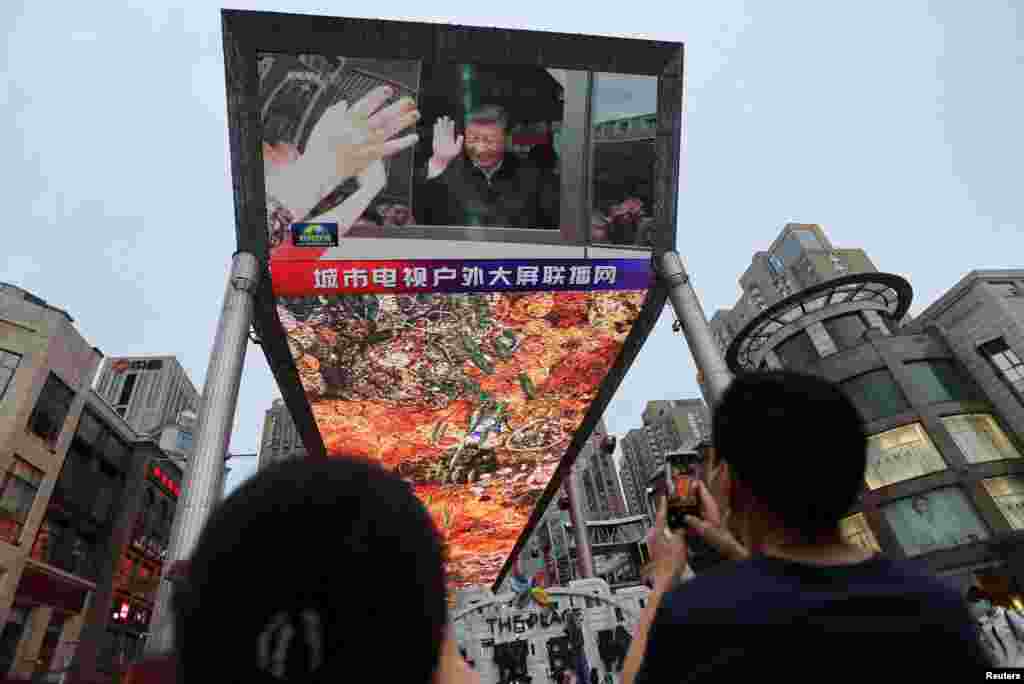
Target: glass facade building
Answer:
[[944, 481]]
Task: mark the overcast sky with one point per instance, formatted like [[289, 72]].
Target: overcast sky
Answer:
[[897, 126]]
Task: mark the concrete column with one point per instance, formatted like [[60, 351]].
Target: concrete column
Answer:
[[31, 642]]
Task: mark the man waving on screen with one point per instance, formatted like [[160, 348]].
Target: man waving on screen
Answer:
[[474, 182]]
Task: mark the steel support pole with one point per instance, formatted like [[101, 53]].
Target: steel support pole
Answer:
[[584, 559], [203, 476], [690, 314]]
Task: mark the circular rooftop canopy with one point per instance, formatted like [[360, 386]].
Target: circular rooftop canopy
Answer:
[[890, 291]]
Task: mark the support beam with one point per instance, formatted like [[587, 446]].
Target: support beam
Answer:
[[204, 473], [706, 354]]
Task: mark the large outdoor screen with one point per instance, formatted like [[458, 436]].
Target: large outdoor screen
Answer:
[[458, 239], [467, 376], [378, 144]]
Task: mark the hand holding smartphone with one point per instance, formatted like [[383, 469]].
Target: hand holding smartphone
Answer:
[[683, 500]]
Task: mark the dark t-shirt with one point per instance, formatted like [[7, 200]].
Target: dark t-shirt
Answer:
[[773, 618]]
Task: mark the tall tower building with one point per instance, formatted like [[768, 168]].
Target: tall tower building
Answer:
[[640, 443], [801, 256], [631, 474], [149, 392], [940, 399], [599, 478], [280, 440]]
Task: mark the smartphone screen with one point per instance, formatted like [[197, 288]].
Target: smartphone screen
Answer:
[[683, 485]]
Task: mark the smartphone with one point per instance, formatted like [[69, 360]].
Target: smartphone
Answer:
[[683, 499]]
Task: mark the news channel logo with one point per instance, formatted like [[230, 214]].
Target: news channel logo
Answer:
[[315, 234]]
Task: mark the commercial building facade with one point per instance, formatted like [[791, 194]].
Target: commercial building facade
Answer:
[[75, 485], [943, 454], [149, 392]]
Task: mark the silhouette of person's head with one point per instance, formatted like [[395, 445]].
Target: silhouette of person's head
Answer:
[[822, 431], [308, 567]]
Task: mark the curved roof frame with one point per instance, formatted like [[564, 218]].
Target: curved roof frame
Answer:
[[889, 292]]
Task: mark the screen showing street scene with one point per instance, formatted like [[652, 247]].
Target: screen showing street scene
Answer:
[[467, 378], [367, 146], [624, 111]]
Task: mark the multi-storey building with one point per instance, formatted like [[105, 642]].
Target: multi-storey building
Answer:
[[280, 440], [598, 478], [74, 476], [677, 424], [800, 257], [632, 474], [982, 320], [945, 448], [149, 392]]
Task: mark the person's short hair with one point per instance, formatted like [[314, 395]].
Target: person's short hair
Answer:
[[798, 444], [488, 114], [316, 564]]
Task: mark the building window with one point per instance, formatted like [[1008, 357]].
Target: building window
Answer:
[[51, 410], [838, 264], [1006, 363], [1008, 495], [588, 488], [19, 493], [939, 380], [940, 519], [855, 530], [8, 365], [876, 395], [62, 546], [797, 351], [901, 454], [795, 243], [126, 389], [980, 438], [1006, 288], [846, 331]]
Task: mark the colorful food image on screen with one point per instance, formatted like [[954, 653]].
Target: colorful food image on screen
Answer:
[[472, 396]]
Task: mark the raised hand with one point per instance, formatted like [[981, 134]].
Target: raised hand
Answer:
[[446, 146], [372, 132], [346, 142], [668, 550], [358, 135]]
